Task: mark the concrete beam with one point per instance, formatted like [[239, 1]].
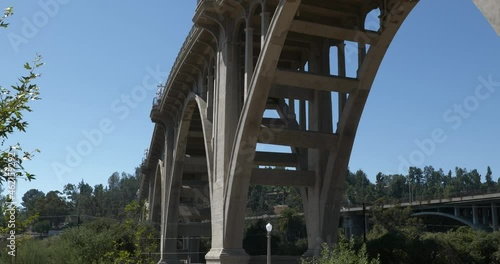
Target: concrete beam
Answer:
[[273, 122], [194, 229], [277, 177], [195, 134], [195, 164], [331, 32], [275, 159], [280, 91], [316, 81], [296, 138]]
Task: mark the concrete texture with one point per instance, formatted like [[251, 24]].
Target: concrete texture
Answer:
[[240, 59], [491, 10]]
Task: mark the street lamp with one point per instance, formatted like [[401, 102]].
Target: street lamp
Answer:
[[269, 228]]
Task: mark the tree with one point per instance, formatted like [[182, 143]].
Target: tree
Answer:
[[30, 200], [398, 187], [475, 179], [14, 101], [417, 175], [6, 13], [53, 208], [490, 184]]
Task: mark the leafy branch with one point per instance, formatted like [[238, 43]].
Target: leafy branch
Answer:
[[13, 102], [6, 13]]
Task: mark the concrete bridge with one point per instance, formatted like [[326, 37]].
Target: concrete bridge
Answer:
[[243, 57], [479, 212]]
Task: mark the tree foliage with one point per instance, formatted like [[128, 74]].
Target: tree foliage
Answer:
[[14, 101], [418, 184], [344, 252]]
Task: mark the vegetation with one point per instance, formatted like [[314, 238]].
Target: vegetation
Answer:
[[14, 101], [418, 184], [344, 252], [101, 225], [99, 241]]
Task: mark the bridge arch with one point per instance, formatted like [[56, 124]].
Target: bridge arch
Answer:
[[184, 144], [331, 170], [331, 163], [456, 218], [156, 205]]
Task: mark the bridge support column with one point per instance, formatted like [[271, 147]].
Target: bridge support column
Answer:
[[210, 95], [171, 191], [494, 217], [475, 217], [320, 119], [248, 57], [457, 211], [194, 249], [227, 237], [264, 25], [485, 216]]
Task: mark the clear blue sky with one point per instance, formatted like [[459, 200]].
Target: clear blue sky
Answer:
[[97, 54]]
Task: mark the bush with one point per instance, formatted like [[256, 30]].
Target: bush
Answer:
[[466, 246], [342, 253], [47, 251]]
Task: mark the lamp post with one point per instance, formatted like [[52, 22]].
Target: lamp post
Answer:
[[269, 228]]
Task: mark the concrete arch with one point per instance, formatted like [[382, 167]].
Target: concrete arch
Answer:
[[176, 143], [253, 7], [459, 219], [237, 177], [338, 161], [239, 25], [195, 103], [243, 151], [156, 203], [251, 117]]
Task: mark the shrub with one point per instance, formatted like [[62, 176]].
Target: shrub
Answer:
[[342, 253]]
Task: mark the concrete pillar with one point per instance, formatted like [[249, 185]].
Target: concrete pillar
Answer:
[[150, 196], [475, 217], [342, 73], [494, 217], [171, 191], [210, 97], [457, 211], [291, 107], [248, 58], [302, 111], [361, 55], [484, 212], [264, 25], [302, 115], [226, 237], [155, 212], [194, 249], [320, 119]]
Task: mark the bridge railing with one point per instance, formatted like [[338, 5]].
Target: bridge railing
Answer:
[[422, 198], [158, 97]]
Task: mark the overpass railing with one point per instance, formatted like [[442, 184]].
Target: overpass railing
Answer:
[[423, 198]]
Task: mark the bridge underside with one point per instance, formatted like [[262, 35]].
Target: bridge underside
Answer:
[[254, 73]]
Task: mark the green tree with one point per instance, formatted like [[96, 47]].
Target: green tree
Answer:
[[395, 219], [14, 101], [30, 200], [490, 184], [53, 208]]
